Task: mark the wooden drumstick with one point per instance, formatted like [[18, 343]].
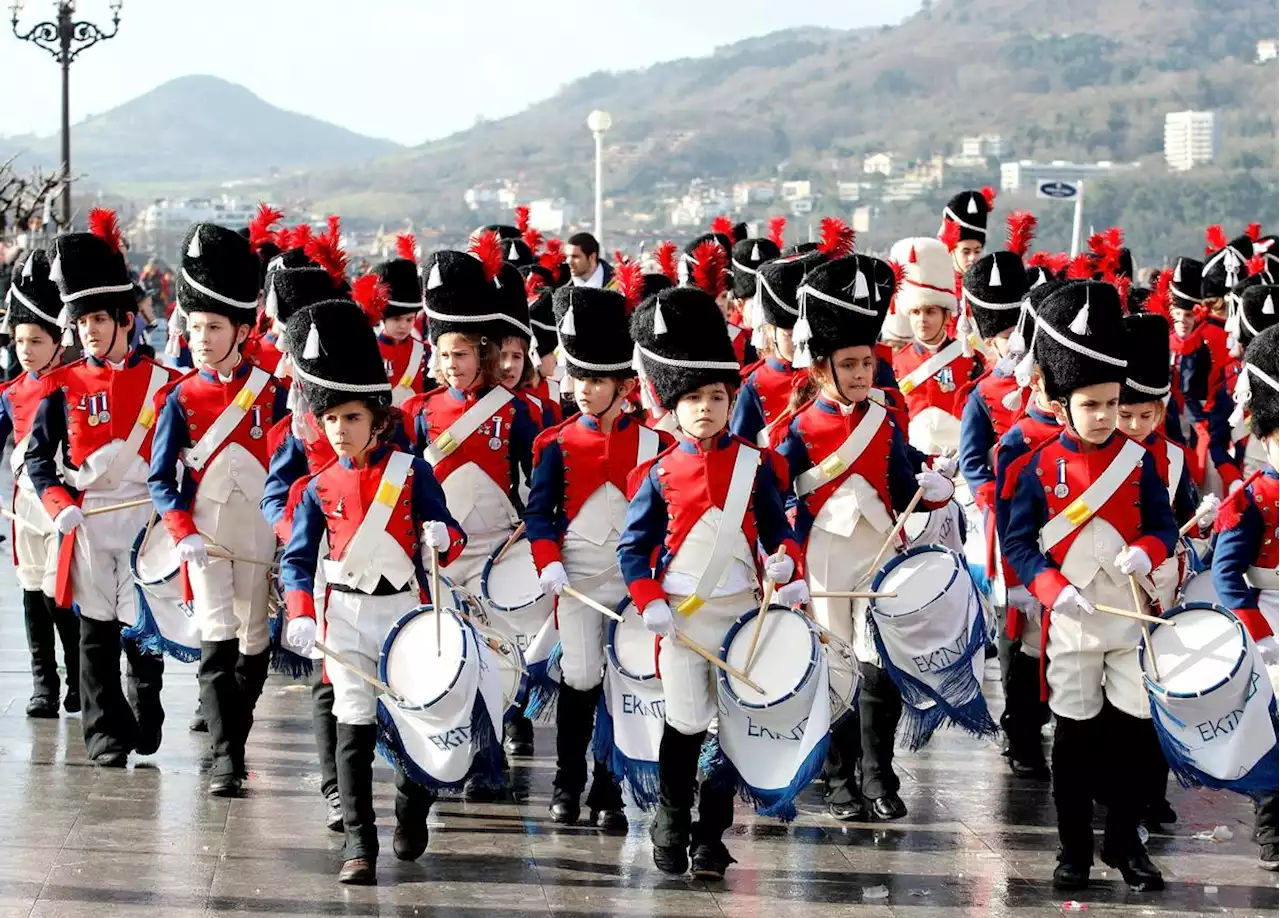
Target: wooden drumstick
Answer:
[[1137, 616], [357, 671], [435, 598], [1136, 589], [19, 521], [717, 662], [588, 601], [126, 505], [511, 540], [893, 533], [851, 594], [766, 598]]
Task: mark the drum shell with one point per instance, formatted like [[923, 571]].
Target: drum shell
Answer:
[[458, 685], [155, 568], [630, 639], [785, 708]]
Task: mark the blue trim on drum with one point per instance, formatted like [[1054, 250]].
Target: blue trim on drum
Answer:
[[1157, 688], [611, 634], [748, 616], [133, 557], [484, 579], [146, 633], [1195, 564], [961, 564], [390, 638]]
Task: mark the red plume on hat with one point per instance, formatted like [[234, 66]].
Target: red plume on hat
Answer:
[[1107, 248], [1257, 265], [1080, 267], [553, 257], [777, 225], [371, 295], [1022, 231], [837, 238], [950, 234], [533, 286], [629, 278], [899, 276], [487, 247], [665, 256], [989, 195], [522, 218], [260, 227], [407, 247], [723, 226], [1214, 238], [708, 269], [296, 238], [1253, 231], [1158, 300], [326, 250], [104, 224], [533, 239]]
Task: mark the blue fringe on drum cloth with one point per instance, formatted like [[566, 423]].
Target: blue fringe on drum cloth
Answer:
[[284, 660], [146, 634], [774, 802], [639, 776], [542, 689], [486, 755], [972, 716], [1260, 780]]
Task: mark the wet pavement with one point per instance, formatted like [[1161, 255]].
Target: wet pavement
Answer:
[[77, 841]]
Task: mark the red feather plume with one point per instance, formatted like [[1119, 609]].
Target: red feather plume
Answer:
[[1080, 267], [553, 257], [899, 276], [522, 218], [533, 286], [629, 277], [104, 224], [1123, 286], [1038, 260], [1022, 231], [950, 234], [665, 256], [1215, 238], [488, 248], [300, 237], [722, 225], [407, 247], [260, 227], [533, 239], [777, 225], [371, 295], [619, 258], [1107, 248], [1232, 509], [1253, 231], [837, 238], [1257, 265], [1058, 263], [1159, 298], [989, 194], [325, 250], [708, 269]]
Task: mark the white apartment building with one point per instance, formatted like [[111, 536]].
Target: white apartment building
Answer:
[[1190, 138]]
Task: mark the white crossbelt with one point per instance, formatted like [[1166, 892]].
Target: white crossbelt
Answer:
[[736, 499], [146, 419], [403, 389], [930, 367], [468, 424], [1176, 461], [199, 455], [1082, 509], [846, 454], [647, 447], [359, 568]]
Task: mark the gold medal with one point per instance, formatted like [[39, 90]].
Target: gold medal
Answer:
[[93, 420]]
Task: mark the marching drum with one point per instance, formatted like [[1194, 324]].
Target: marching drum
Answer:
[[944, 526], [776, 741], [449, 698], [1211, 700], [1199, 588], [629, 727], [517, 608], [163, 618], [931, 640], [512, 669]]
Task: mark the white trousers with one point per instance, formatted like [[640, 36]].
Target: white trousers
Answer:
[[834, 562], [582, 628], [36, 551], [101, 581], [230, 597], [356, 625], [1092, 657], [689, 681]]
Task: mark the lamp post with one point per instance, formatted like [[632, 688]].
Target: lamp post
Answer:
[[65, 39], [599, 122]]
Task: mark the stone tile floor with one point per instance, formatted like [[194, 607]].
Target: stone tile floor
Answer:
[[76, 841]]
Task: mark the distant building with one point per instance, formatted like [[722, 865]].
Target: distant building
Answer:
[[160, 226], [1025, 174], [500, 194], [1190, 138], [849, 192], [1267, 50], [801, 206], [883, 163], [795, 190], [982, 146], [745, 193], [550, 215], [861, 219]]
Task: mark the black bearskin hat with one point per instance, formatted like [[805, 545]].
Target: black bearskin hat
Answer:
[[1185, 287], [1258, 308], [1226, 267], [218, 274], [845, 301], [1261, 371], [994, 287], [335, 356], [292, 289], [513, 304], [32, 298], [1147, 376], [595, 338], [458, 291], [779, 280], [747, 257], [969, 211], [405, 283], [683, 346], [539, 286], [90, 270], [1080, 338]]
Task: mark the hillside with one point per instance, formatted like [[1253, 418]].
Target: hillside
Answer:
[[199, 128]]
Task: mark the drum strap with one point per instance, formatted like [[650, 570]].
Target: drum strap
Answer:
[[359, 563], [1177, 459], [741, 484], [468, 424], [225, 424], [141, 427], [404, 388], [1082, 509], [846, 454], [930, 367], [647, 447]]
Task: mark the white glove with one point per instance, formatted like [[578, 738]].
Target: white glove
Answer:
[[69, 519], [1020, 598], [945, 465], [794, 593], [554, 578], [1071, 602], [1132, 560], [658, 618], [936, 486], [435, 535], [1208, 508], [191, 551], [300, 635], [780, 570], [1235, 486]]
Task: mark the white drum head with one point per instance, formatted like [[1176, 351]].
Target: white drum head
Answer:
[[632, 646], [512, 583], [1202, 651], [920, 578], [785, 656], [410, 664], [1199, 588]]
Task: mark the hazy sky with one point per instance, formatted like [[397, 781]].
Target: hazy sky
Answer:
[[408, 70]]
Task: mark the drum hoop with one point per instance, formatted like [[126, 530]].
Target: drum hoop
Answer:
[[1195, 564], [488, 568], [961, 565], [390, 639], [1159, 689], [611, 652], [138, 546], [723, 677]]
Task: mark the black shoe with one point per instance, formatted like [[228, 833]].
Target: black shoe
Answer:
[[477, 791], [673, 860], [148, 740], [518, 748], [358, 872], [42, 706], [333, 814], [1034, 769], [711, 860], [1160, 814], [890, 806], [111, 759], [1139, 873], [225, 786], [1069, 877], [1267, 857], [409, 844], [565, 812], [71, 703], [198, 724], [852, 811], [611, 821]]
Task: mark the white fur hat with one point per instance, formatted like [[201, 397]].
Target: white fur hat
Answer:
[[930, 278]]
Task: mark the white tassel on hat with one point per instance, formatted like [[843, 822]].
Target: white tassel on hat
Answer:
[[434, 279], [995, 274], [272, 305], [1269, 306], [433, 362], [1080, 324], [6, 327], [64, 320], [860, 289], [1177, 272], [173, 343], [6, 358], [55, 269], [801, 335], [973, 205], [1022, 372], [193, 250], [755, 252], [964, 327], [1041, 278], [311, 350], [29, 268], [568, 327], [1241, 395], [1012, 399], [513, 253], [659, 323]]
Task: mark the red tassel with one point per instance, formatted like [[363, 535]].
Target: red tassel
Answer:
[[1232, 508], [911, 258]]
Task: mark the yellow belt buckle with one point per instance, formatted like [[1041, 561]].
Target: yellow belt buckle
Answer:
[[146, 417], [832, 466], [445, 443], [1078, 512], [387, 494], [690, 604], [244, 399], [906, 386]]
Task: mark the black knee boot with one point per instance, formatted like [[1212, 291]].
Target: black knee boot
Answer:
[[355, 784], [44, 662], [604, 800], [1023, 717], [251, 673], [574, 716], [68, 625], [879, 710], [844, 753], [1266, 823], [145, 678], [413, 805], [1125, 752], [223, 704], [677, 784], [517, 735], [1073, 765], [110, 730]]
